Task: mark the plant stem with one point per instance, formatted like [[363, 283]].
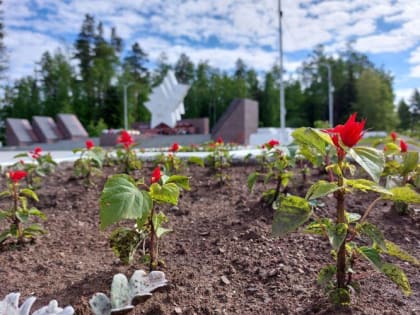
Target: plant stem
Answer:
[[368, 210], [153, 245], [16, 220], [341, 218]]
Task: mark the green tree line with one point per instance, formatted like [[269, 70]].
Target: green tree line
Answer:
[[93, 89]]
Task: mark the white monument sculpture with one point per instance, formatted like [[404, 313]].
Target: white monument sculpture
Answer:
[[166, 103]]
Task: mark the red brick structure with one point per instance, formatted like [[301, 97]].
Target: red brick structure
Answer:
[[238, 122]]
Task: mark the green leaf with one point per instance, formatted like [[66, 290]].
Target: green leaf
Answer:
[[337, 233], [393, 249], [96, 156], [23, 216], [312, 137], [252, 178], [4, 214], [397, 275], [167, 193], [5, 193], [340, 296], [352, 217], [181, 181], [366, 185], [32, 230], [318, 227], [370, 159], [291, 212], [158, 220], [121, 199], [326, 275], [37, 213], [320, 189], [20, 155], [372, 255], [374, 234], [124, 243], [306, 152], [394, 273], [196, 160], [5, 235], [392, 148], [403, 194], [29, 193], [410, 161]]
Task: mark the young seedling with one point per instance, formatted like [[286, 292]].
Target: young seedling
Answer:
[[18, 214], [276, 163], [219, 159], [171, 163], [124, 198], [40, 166], [348, 228], [90, 162], [402, 168], [127, 154]]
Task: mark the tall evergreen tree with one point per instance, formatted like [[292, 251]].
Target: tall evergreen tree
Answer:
[[184, 69], [56, 79], [404, 115]]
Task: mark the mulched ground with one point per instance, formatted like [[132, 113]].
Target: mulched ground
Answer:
[[220, 259]]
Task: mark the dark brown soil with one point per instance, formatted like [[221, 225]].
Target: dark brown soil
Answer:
[[219, 231]]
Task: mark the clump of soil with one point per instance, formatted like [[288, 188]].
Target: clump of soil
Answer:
[[220, 258]]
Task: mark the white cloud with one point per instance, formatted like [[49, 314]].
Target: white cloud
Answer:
[[218, 30], [403, 94], [22, 61]]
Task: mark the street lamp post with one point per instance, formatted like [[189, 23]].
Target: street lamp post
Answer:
[[125, 87], [330, 96]]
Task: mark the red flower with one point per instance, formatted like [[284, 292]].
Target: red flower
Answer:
[[126, 139], [174, 148], [272, 143], [219, 140], [16, 176], [403, 146], [36, 154], [393, 135], [89, 144], [156, 175], [350, 133]]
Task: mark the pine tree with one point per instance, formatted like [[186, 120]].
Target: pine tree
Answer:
[[184, 69], [404, 115]]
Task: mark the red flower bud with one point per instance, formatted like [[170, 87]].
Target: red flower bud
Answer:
[[219, 140], [403, 146], [272, 143], [16, 176], [394, 136], [174, 148], [36, 154], [156, 175], [89, 144]]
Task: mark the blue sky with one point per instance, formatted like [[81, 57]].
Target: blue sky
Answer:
[[221, 31]]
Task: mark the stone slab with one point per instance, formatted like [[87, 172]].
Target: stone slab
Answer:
[[70, 126], [46, 129], [238, 122], [19, 132]]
